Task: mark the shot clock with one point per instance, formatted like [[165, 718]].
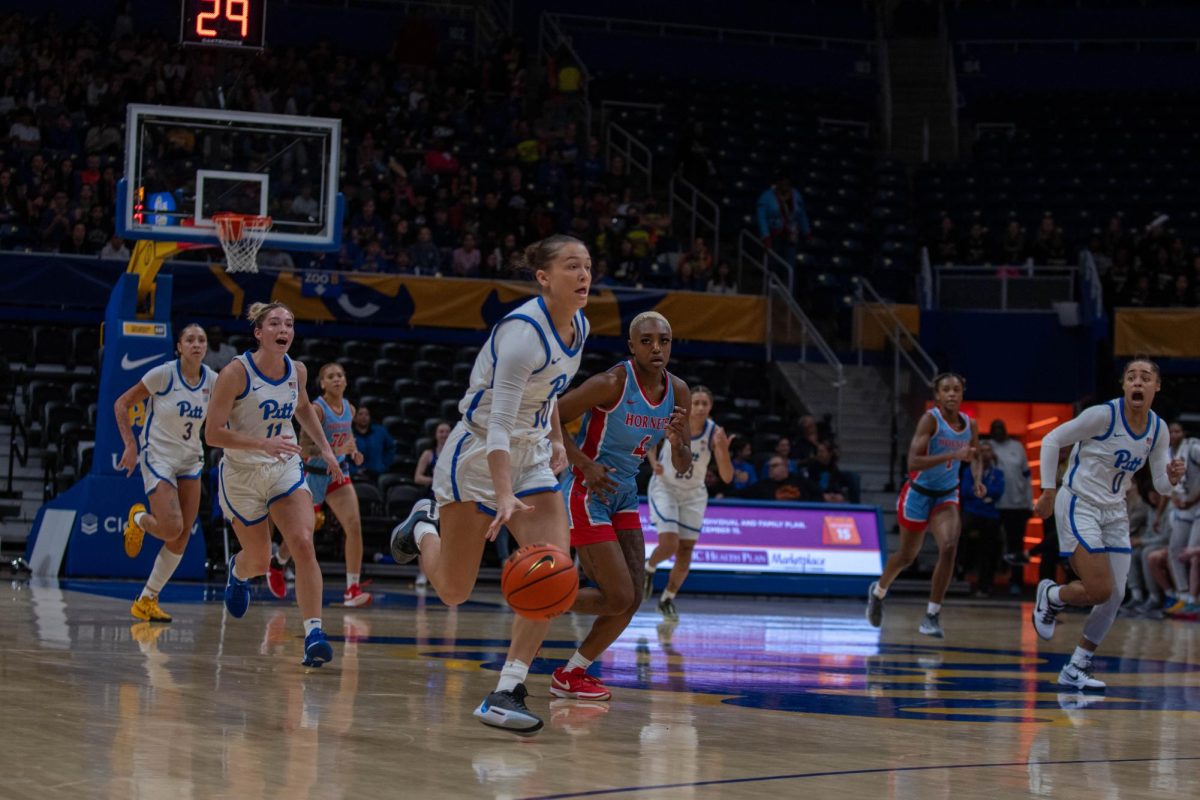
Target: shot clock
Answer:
[[224, 23]]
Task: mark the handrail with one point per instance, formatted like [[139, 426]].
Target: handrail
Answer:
[[15, 454], [766, 263], [551, 37], [632, 146], [713, 32], [902, 339], [809, 334], [1075, 44], [694, 202], [904, 344], [925, 281]]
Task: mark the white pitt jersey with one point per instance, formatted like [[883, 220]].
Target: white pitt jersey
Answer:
[[1102, 464], [693, 479], [556, 365], [264, 408], [175, 411], [1188, 452]]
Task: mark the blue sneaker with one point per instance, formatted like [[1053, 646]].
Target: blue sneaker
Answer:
[[237, 593], [317, 650]]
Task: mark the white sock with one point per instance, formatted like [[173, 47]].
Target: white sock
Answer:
[[351, 579], [236, 576], [138, 517], [1081, 657], [514, 672], [880, 591], [423, 529], [1053, 595], [933, 608], [1187, 597], [578, 662], [164, 567], [1137, 595], [667, 594], [311, 625]]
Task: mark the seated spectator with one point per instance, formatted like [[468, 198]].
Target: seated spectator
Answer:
[[975, 249], [1012, 244], [220, 352], [685, 280], [946, 249], [1149, 531], [425, 256], [744, 473], [115, 248], [783, 449], [374, 442], [77, 243], [1181, 292], [823, 470], [805, 446], [780, 485], [982, 540], [701, 260], [1049, 248], [722, 280], [465, 260], [600, 276], [423, 473]]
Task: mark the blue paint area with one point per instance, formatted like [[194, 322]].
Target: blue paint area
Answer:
[[191, 593], [840, 676]]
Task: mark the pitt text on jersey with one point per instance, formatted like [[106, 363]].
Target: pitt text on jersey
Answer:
[[190, 411], [272, 409]]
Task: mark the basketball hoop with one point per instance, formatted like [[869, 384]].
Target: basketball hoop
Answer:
[[241, 237]]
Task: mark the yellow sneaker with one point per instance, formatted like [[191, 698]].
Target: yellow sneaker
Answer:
[[147, 608], [1175, 607], [133, 534]]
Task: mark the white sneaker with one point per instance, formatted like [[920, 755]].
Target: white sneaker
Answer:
[[1044, 613], [1079, 676]]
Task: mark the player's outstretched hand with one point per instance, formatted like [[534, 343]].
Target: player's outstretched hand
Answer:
[[505, 508], [1176, 470], [129, 460]]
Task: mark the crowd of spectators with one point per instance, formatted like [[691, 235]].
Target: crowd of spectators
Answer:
[[449, 166], [1147, 266], [801, 468]]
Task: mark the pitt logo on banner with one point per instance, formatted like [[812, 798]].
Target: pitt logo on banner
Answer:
[[840, 531]]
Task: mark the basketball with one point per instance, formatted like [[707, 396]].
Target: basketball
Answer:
[[539, 581]]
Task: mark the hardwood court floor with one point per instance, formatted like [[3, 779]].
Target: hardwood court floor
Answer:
[[742, 699]]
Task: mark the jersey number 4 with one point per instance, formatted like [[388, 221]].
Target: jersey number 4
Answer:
[[640, 450]]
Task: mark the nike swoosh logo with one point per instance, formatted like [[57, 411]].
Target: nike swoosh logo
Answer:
[[556, 360], [543, 560], [256, 388], [126, 363]]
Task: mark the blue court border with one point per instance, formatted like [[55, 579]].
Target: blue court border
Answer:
[[834, 773]]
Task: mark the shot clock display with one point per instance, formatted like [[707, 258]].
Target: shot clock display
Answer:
[[224, 23]]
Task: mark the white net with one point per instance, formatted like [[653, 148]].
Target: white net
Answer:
[[241, 237]]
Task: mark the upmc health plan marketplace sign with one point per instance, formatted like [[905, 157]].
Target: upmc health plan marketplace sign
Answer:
[[783, 538]]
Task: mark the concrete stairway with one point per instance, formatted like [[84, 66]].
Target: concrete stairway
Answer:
[[27, 491]]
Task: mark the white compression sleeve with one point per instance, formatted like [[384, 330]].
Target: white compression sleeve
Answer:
[[520, 350], [1160, 456], [1093, 421]]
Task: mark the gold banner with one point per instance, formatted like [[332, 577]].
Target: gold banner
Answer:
[[1167, 332], [868, 320], [477, 304]]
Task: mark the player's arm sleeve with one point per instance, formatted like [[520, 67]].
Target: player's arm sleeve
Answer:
[[1095, 421], [155, 380], [1160, 456], [520, 350]]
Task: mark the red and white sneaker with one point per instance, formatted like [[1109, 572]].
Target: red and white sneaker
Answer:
[[355, 597], [577, 684], [276, 580]]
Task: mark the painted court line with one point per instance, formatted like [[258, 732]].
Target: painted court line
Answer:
[[878, 770]]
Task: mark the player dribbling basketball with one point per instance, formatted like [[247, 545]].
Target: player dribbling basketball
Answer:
[[500, 463]]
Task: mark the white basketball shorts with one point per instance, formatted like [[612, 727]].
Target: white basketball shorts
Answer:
[[169, 468], [679, 513], [247, 492], [1096, 530], [462, 473]]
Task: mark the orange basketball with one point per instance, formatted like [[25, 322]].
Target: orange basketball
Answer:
[[539, 581]]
